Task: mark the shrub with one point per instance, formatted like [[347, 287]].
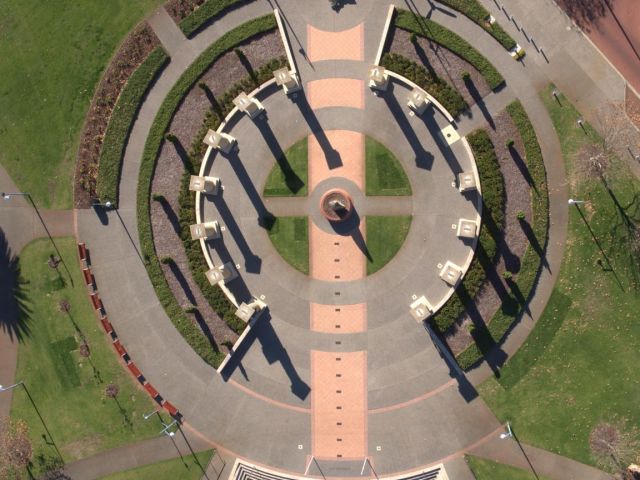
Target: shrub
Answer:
[[465, 76], [441, 90], [191, 309], [166, 260], [531, 262], [509, 143], [157, 197], [413, 38], [520, 215], [493, 199], [121, 122], [479, 15], [191, 332], [170, 137], [204, 13], [507, 275], [451, 41]]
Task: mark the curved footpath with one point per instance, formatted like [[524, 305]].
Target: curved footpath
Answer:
[[149, 335]]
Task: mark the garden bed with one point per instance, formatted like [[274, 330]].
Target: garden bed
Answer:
[[192, 15], [186, 326], [446, 64], [512, 244], [132, 53], [426, 28]]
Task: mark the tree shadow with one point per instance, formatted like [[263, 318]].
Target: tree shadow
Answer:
[[274, 352], [182, 153], [533, 241], [422, 55], [585, 13], [252, 262], [15, 312], [247, 66], [293, 182], [101, 213], [215, 105], [184, 284], [331, 155], [477, 98], [490, 271], [423, 158], [522, 166], [125, 416]]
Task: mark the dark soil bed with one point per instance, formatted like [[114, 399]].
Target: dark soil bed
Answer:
[[225, 72], [133, 51], [180, 9], [514, 243], [445, 64]]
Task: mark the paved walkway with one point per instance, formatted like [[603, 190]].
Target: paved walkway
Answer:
[[164, 355], [19, 224]]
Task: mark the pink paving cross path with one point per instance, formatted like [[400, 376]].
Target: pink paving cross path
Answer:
[[344, 45]]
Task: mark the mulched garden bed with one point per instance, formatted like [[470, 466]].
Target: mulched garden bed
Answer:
[[180, 9], [224, 73], [514, 243], [133, 51], [445, 64]]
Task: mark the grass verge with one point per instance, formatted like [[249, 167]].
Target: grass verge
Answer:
[[484, 469], [289, 177], [191, 332], [433, 31], [185, 468], [448, 96], [383, 172], [578, 367], [121, 123], [521, 287], [384, 238], [51, 62], [493, 201], [68, 389], [290, 237], [480, 15]]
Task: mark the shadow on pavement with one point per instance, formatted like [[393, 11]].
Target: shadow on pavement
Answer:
[[475, 94], [292, 180], [15, 314], [332, 155], [273, 351], [423, 158]]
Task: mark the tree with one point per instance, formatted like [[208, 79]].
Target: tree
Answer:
[[112, 390], [15, 448], [614, 447]]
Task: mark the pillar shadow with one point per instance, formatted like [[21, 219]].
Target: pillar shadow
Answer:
[[15, 312], [173, 218], [490, 271], [205, 329], [274, 352], [475, 94], [522, 166], [101, 213], [265, 218], [183, 282], [332, 156], [252, 262], [351, 227], [423, 158], [292, 180], [429, 119], [491, 352]]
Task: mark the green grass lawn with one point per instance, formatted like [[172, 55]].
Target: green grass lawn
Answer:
[[68, 389], [290, 236], [579, 365], [385, 236], [383, 172], [53, 54], [289, 176], [187, 468], [487, 470]]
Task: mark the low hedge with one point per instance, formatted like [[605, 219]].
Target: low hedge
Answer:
[[433, 31], [121, 123], [191, 332], [478, 14], [531, 264], [187, 214], [493, 201], [441, 90], [205, 12]]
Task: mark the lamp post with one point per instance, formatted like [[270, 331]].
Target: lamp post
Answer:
[[22, 384], [508, 433], [575, 202], [8, 196], [147, 416]]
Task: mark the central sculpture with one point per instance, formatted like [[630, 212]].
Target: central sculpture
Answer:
[[336, 205]]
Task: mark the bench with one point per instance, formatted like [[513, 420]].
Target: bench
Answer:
[[89, 279], [170, 408], [121, 351], [97, 303], [106, 324], [82, 252], [136, 372], [154, 393]]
